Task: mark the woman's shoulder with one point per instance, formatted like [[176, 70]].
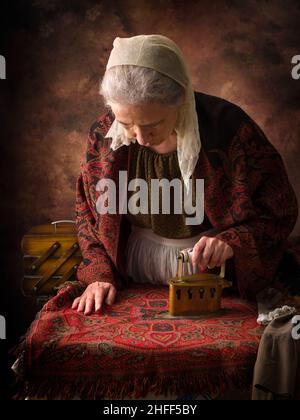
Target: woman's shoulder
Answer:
[[103, 123], [98, 145], [219, 119], [218, 110]]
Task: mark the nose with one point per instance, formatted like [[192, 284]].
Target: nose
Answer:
[[141, 136]]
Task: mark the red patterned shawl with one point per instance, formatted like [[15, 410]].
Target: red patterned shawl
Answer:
[[134, 348], [248, 197]]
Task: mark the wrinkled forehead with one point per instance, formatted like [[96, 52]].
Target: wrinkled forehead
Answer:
[[143, 114]]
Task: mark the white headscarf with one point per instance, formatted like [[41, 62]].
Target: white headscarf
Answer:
[[161, 54]]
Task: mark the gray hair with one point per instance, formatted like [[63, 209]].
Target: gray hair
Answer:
[[136, 85]]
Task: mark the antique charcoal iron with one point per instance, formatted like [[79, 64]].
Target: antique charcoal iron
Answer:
[[195, 294]]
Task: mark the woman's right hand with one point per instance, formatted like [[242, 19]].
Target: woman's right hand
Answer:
[[93, 297]]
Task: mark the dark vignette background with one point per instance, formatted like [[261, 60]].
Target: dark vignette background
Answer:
[[56, 51]]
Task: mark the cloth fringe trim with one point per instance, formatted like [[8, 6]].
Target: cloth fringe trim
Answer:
[[137, 387]]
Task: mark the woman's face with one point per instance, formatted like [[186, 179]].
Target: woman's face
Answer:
[[151, 124]]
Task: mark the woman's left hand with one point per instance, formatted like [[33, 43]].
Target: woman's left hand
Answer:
[[210, 252]]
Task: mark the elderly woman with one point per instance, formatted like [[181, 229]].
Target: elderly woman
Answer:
[[157, 127]]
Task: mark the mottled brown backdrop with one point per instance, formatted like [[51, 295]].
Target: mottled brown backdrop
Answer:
[[239, 50]]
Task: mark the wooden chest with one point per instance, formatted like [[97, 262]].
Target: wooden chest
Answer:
[[51, 256]]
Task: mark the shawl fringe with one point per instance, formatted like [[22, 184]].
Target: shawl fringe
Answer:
[[134, 387]]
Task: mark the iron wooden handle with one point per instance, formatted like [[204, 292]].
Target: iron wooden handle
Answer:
[[185, 256]]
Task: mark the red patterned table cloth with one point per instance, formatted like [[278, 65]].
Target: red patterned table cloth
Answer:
[[135, 347]]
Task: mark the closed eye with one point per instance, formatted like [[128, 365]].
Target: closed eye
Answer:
[[144, 126]]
